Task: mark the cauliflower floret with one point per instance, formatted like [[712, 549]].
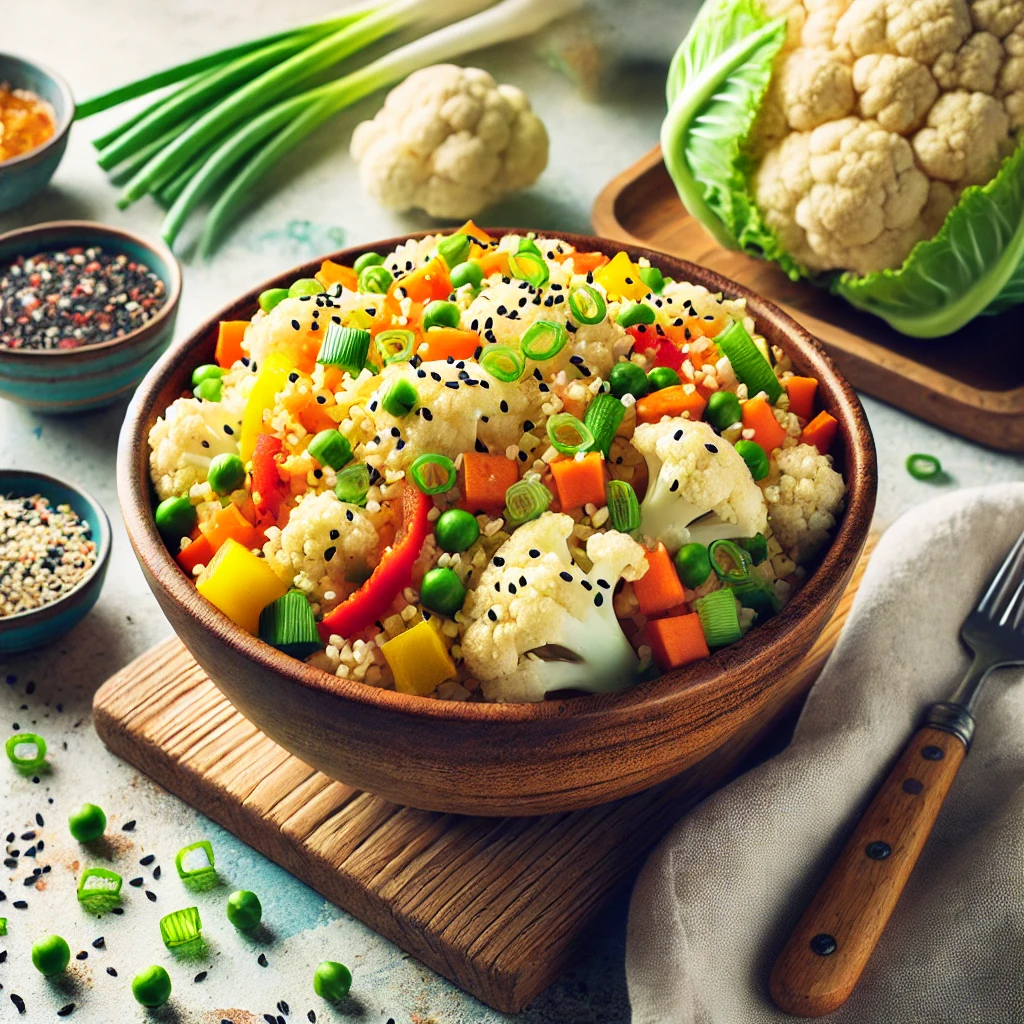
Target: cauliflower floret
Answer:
[[964, 138], [451, 141], [804, 495], [814, 88], [1010, 88], [919, 29], [896, 91], [975, 66], [695, 475], [538, 623], [323, 540]]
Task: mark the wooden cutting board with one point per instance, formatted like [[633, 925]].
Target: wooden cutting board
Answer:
[[498, 906], [971, 383]]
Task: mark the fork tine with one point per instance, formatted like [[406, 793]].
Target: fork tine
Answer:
[[1015, 609], [1009, 572]]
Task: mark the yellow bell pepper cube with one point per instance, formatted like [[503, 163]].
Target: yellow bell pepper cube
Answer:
[[620, 278], [272, 378], [240, 584], [419, 660]]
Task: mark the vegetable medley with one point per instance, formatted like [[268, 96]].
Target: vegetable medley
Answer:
[[493, 469]]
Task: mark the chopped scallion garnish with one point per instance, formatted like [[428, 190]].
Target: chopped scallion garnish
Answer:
[[99, 889], [26, 751], [195, 864], [433, 474], [400, 398], [353, 483], [503, 363], [568, 435], [737, 562], [587, 305], [181, 927], [543, 339], [395, 346], [756, 593], [747, 362], [633, 313], [289, 625], [346, 347], [623, 507], [923, 467], [331, 448], [653, 278], [376, 280], [528, 266], [603, 416], [526, 500], [719, 618]]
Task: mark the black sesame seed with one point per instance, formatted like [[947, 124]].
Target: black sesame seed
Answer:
[[453, 384], [598, 600], [603, 584], [498, 561], [269, 1018], [674, 486], [677, 436], [19, 1003], [156, 871], [311, 1017], [31, 880], [137, 882], [118, 911], [262, 959], [112, 972], [128, 826], [586, 585], [293, 377], [567, 576], [283, 1007], [711, 448], [295, 325], [83, 955], [20, 905], [201, 976], [28, 835], [503, 406], [151, 896], [492, 615], [148, 859], [10, 837], [533, 553], [511, 588], [66, 1010], [98, 943]]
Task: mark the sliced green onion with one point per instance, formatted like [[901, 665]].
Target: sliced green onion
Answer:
[[747, 362], [26, 751], [543, 339], [454, 249], [528, 266], [923, 467], [719, 618], [757, 594], [400, 398], [195, 864], [3, 925], [305, 286], [99, 890], [529, 245], [433, 474], [331, 448], [568, 435], [526, 500], [623, 507], [353, 483], [756, 547], [740, 559], [368, 259], [603, 416], [653, 278], [346, 347], [289, 625], [395, 346], [633, 313], [181, 927], [503, 363], [376, 280], [587, 305], [755, 457]]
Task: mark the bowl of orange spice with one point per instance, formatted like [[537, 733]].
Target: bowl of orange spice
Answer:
[[36, 110]]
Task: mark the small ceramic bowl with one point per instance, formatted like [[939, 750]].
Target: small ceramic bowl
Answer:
[[23, 176], [44, 625], [61, 381]]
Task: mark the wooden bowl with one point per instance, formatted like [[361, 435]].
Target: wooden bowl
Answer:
[[502, 759]]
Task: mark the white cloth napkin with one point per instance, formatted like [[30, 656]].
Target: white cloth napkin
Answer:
[[716, 901]]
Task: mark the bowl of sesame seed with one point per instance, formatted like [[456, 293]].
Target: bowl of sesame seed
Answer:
[[85, 311], [54, 550]]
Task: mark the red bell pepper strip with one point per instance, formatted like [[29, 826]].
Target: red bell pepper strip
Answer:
[[392, 575], [269, 491], [665, 353]]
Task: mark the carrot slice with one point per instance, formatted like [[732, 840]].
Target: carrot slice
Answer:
[[486, 478], [821, 432], [677, 641], [425, 283], [229, 524], [199, 552], [229, 342], [758, 417], [802, 391], [579, 481], [494, 262], [679, 400], [659, 589], [583, 262], [478, 234], [442, 342], [336, 273]]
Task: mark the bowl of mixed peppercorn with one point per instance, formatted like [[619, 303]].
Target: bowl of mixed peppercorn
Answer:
[[85, 311]]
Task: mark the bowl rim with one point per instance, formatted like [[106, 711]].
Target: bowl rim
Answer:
[[64, 122], [104, 545], [769, 641], [86, 227]]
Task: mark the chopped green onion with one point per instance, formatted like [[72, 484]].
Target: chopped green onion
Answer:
[[750, 367], [663, 377], [289, 625], [99, 890], [26, 751], [3, 925], [528, 266], [723, 410], [740, 559], [529, 245], [209, 390], [543, 339], [181, 927], [331, 448], [693, 564], [756, 547], [468, 273], [755, 457], [587, 305], [603, 416], [376, 280], [653, 278], [757, 594], [353, 483], [454, 249], [568, 435], [395, 346], [633, 313], [623, 507], [195, 864], [719, 618], [923, 467], [208, 371], [526, 500], [346, 347], [441, 313], [433, 474], [400, 398], [503, 363], [368, 259]]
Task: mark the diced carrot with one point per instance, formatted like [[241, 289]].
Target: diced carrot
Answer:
[[821, 432], [713, 327], [442, 342], [579, 481], [469, 228], [425, 283], [486, 478], [314, 415], [199, 552], [677, 641], [475, 251], [336, 273], [494, 262], [758, 417], [682, 334], [801, 391], [583, 262], [229, 342], [229, 524], [659, 589], [678, 400]]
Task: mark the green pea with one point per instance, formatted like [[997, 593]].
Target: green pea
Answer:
[[723, 410], [305, 286], [152, 986], [332, 981], [226, 474], [467, 273], [755, 458], [50, 955], [693, 563], [653, 278], [175, 518], [633, 313], [368, 259], [209, 371], [441, 313], [209, 389], [375, 279], [756, 545], [628, 379], [456, 530], [662, 377], [87, 823], [244, 910], [442, 592], [331, 448], [271, 297]]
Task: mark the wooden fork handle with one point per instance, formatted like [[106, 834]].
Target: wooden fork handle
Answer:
[[830, 947]]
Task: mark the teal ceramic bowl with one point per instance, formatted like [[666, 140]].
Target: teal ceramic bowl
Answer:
[[23, 176], [62, 381], [43, 625]]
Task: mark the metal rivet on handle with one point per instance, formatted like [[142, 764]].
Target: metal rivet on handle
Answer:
[[912, 786], [931, 753], [823, 944], [878, 850]]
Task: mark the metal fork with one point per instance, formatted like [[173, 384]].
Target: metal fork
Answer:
[[830, 946]]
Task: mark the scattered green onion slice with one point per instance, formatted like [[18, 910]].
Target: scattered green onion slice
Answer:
[[331, 448], [454, 249], [346, 347], [368, 259], [353, 483], [740, 559], [543, 339], [433, 474], [26, 751], [375, 279], [395, 346], [568, 435], [623, 507], [756, 547], [653, 278], [633, 313], [332, 981], [750, 367], [400, 398], [195, 864], [529, 245], [526, 500], [181, 927], [3, 925], [206, 372], [602, 418], [503, 363], [693, 564], [587, 305], [923, 467], [271, 298], [305, 286], [528, 266], [755, 457], [440, 313], [757, 594], [289, 625], [719, 618], [99, 889]]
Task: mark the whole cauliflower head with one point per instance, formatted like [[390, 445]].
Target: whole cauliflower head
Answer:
[[538, 623], [450, 141], [804, 495], [700, 488]]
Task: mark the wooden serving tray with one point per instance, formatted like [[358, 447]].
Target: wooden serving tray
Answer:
[[971, 383]]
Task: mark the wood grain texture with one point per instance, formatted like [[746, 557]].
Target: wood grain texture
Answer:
[[859, 894], [981, 398], [497, 905], [450, 756]]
